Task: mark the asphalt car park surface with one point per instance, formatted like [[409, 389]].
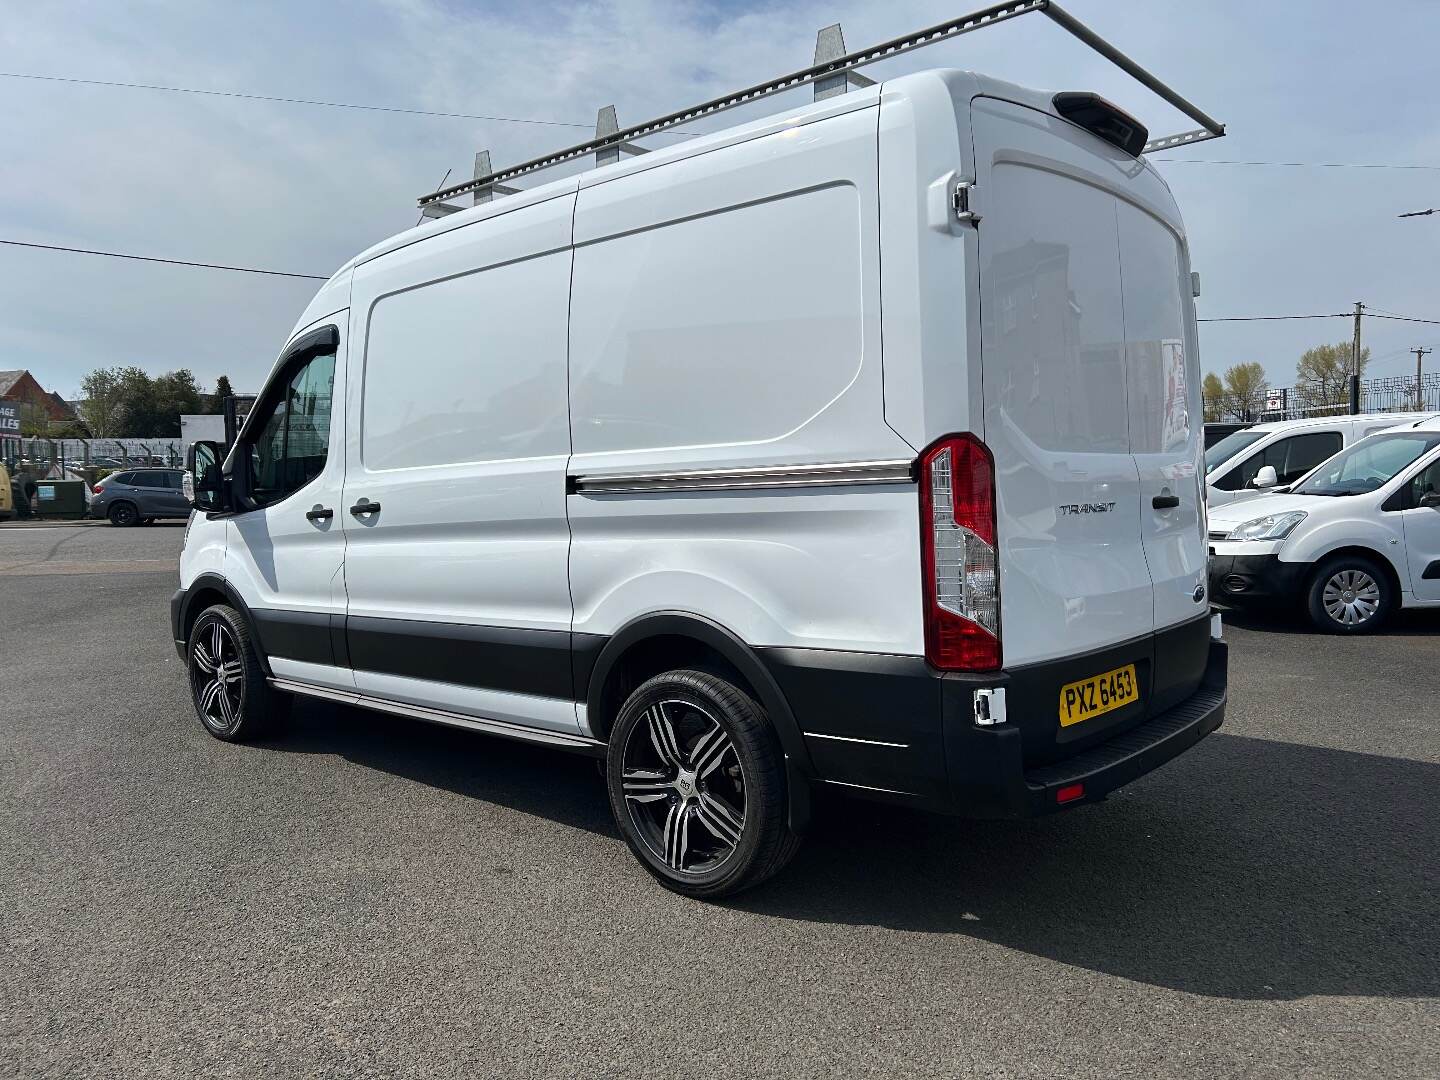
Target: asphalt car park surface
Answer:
[[369, 896]]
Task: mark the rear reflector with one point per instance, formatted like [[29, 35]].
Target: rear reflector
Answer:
[[958, 555], [1069, 793]]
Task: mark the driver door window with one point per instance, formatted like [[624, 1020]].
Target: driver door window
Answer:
[[1425, 482], [292, 443], [1292, 459]]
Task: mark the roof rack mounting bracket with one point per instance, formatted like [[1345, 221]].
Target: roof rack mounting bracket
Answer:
[[833, 72]]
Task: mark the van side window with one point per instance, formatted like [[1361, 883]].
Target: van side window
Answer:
[[1425, 482], [294, 437], [1292, 458]]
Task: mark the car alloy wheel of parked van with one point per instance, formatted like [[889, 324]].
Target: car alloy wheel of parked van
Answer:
[[1350, 595], [227, 684], [697, 784]]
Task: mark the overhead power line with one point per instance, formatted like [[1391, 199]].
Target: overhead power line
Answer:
[[1369, 313], [1272, 318], [168, 262], [408, 111], [289, 100], [1302, 164]]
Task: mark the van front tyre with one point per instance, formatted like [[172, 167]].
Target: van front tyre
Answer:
[[1350, 594], [232, 698], [697, 784]]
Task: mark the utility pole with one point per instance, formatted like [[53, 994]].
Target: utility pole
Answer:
[[1420, 375], [1355, 362]]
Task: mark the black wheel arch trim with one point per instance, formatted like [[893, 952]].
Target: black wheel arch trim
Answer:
[[799, 769], [182, 613]]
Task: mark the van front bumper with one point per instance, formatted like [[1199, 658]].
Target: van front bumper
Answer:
[[893, 729], [1239, 579]]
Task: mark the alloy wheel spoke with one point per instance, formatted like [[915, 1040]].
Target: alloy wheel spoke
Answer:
[[709, 751], [662, 735], [646, 785], [677, 835], [229, 672], [202, 658], [719, 819], [217, 641], [208, 696]]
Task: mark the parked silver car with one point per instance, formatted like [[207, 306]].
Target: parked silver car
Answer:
[[136, 496]]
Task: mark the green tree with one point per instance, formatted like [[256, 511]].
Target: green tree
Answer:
[[222, 391], [1245, 384], [1212, 395], [175, 392], [101, 408], [1322, 373]]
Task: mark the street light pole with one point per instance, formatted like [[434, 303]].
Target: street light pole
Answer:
[[1420, 375]]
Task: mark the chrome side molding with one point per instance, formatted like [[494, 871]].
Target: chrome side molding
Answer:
[[503, 728], [842, 474]]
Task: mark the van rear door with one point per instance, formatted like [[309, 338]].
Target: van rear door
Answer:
[[1091, 412]]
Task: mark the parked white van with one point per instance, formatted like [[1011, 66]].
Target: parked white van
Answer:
[[749, 465], [1353, 541], [1261, 458]]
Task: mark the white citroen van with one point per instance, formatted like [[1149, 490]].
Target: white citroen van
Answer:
[[1258, 459], [857, 447]]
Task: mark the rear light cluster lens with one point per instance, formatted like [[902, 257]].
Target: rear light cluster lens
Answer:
[[98, 489], [962, 584]]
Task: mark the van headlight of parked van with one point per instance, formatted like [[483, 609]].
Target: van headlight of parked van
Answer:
[[1269, 527]]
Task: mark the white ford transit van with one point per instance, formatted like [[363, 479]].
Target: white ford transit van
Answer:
[[856, 447]]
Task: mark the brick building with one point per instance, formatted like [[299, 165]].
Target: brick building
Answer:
[[37, 403]]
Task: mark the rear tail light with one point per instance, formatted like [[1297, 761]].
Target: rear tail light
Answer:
[[98, 488], [958, 551]]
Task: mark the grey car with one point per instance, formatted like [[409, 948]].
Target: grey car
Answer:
[[133, 496]]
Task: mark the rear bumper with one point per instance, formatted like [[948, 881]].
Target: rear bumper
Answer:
[[891, 728], [1238, 579], [988, 784]]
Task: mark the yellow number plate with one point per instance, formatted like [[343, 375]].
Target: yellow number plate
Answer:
[[1099, 694]]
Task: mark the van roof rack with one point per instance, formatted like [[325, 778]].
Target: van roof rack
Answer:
[[610, 140]]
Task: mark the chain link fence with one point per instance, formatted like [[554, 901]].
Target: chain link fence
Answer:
[[55, 459], [1395, 394]]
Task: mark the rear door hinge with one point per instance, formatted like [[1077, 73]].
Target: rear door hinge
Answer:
[[962, 201]]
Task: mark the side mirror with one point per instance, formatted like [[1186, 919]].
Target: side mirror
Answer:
[[1265, 478], [203, 485], [1431, 499]]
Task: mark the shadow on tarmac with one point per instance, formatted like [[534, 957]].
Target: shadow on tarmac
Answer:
[[1245, 869]]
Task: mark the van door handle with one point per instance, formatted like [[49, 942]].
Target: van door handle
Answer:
[[363, 507], [319, 513], [1165, 502]]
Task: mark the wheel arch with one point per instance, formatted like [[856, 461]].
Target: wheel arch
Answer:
[[208, 589], [1386, 564], [646, 640]]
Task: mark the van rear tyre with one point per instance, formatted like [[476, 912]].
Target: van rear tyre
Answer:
[[697, 784], [228, 688]]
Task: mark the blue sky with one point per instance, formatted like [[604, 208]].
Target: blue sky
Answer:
[[302, 188]]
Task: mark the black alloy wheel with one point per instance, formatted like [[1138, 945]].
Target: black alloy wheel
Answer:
[[227, 684], [124, 515], [697, 785]]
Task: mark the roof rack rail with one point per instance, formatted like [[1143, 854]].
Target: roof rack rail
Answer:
[[831, 71]]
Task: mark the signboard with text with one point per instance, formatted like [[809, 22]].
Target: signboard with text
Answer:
[[9, 418]]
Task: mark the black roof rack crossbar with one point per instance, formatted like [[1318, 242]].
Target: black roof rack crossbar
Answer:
[[964, 24]]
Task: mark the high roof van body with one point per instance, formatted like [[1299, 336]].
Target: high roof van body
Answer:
[[857, 447]]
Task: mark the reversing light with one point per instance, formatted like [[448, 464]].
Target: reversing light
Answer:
[[1069, 793], [958, 549]]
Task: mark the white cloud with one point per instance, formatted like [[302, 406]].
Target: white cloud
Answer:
[[302, 188]]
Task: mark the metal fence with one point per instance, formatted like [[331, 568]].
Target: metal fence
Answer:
[[1396, 394], [56, 458]]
